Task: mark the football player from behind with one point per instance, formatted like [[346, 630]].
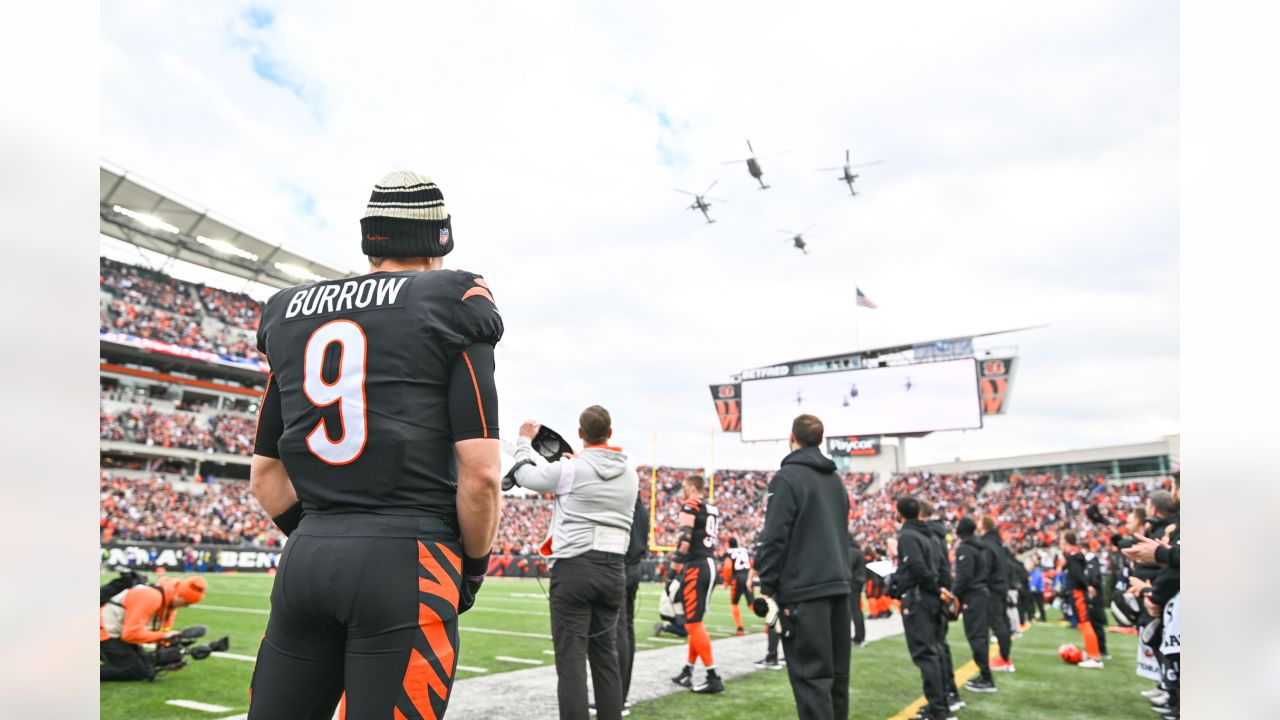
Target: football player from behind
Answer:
[[737, 579], [377, 454], [696, 567]]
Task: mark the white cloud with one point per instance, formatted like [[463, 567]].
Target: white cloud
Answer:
[[1030, 176]]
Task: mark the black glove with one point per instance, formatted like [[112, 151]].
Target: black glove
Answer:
[[473, 572]]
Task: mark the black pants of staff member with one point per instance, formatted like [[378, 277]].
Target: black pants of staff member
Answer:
[[1024, 612], [818, 657], [1098, 618], [977, 630], [627, 631], [920, 620], [771, 652], [123, 661], [998, 616], [1037, 604], [586, 600], [944, 657], [855, 609]]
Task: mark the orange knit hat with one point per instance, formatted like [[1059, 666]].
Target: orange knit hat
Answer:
[[192, 589]]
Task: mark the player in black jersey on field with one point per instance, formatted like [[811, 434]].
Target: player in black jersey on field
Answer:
[[696, 567], [737, 577], [377, 453]]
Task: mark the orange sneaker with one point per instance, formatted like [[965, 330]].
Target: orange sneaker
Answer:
[[1001, 665]]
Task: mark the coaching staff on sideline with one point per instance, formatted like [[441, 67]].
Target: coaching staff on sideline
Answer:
[[595, 500], [916, 582], [377, 454], [802, 558]]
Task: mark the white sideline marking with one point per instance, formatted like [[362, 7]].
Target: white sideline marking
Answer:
[[642, 644], [469, 668], [510, 633], [539, 596], [523, 661], [193, 705], [233, 656], [224, 608], [668, 640], [548, 652]]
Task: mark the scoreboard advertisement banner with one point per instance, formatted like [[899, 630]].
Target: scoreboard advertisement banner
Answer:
[[994, 375], [853, 446], [728, 399]]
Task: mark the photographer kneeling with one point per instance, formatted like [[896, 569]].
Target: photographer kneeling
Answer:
[[140, 615]]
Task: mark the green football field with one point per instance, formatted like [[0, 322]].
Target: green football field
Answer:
[[509, 629]]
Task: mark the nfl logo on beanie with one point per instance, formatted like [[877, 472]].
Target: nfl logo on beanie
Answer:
[[406, 217]]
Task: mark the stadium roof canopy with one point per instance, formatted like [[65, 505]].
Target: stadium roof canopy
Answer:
[[159, 221]]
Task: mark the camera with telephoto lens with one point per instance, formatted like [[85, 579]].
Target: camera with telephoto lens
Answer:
[[172, 653]]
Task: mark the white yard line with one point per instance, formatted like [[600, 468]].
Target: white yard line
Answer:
[[193, 705], [469, 668], [668, 640], [510, 633], [522, 661], [224, 608], [548, 652], [233, 656]]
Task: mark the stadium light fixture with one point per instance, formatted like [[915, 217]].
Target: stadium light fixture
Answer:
[[226, 248], [299, 272], [148, 220]]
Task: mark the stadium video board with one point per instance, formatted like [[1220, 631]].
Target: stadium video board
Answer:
[[896, 400]]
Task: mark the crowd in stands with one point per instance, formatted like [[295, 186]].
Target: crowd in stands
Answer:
[[152, 509], [188, 431], [154, 306]]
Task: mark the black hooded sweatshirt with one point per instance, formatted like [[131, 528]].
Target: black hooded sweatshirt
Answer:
[[917, 560], [938, 532], [997, 563], [803, 550], [971, 569]]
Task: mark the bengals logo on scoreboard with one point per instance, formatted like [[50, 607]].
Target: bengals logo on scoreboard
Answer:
[[726, 391], [993, 367]]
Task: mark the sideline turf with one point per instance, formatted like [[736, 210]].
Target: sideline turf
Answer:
[[883, 681], [512, 605]]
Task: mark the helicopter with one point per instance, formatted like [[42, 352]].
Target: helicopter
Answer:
[[798, 238], [846, 176], [700, 201], [753, 165]]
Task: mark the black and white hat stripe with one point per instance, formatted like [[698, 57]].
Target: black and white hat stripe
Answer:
[[406, 217]]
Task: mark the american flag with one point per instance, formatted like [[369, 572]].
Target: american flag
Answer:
[[864, 301]]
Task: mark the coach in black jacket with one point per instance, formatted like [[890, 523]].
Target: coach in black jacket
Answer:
[[971, 589], [938, 532], [856, 583], [802, 559], [637, 547], [916, 582], [998, 586]]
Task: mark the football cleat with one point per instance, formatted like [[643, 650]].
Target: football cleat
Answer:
[[712, 685], [980, 685], [685, 678], [1090, 663]]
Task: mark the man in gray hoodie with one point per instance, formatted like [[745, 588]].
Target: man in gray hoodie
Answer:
[[595, 497]]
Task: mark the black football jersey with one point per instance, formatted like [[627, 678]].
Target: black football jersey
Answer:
[[363, 369], [706, 523]]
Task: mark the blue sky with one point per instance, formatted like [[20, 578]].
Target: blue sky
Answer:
[[1030, 176]]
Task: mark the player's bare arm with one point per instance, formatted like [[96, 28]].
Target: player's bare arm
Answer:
[[269, 482], [479, 494]]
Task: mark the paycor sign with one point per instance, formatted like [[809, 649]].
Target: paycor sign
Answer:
[[851, 445]]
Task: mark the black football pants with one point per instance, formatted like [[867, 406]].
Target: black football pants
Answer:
[[944, 656], [977, 630], [920, 620], [1098, 618], [998, 617], [818, 657], [586, 601], [362, 604]]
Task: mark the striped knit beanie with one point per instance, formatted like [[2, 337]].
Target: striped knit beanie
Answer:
[[406, 218]]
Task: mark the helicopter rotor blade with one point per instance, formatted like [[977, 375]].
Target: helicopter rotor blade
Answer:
[[734, 162], [753, 150], [846, 157], [827, 169], [713, 184], [714, 198], [789, 232], [808, 228], [686, 192]]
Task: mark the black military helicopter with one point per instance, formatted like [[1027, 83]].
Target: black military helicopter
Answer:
[[797, 238], [753, 165], [700, 201], [846, 176]]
